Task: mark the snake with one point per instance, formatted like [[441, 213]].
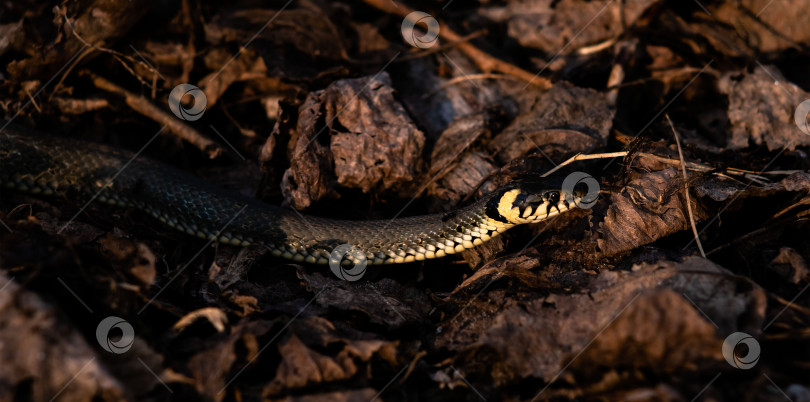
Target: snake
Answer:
[[84, 172]]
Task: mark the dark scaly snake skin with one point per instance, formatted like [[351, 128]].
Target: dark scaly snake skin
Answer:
[[82, 172]]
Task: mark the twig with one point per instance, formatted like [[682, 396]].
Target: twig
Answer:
[[483, 60], [115, 54], [146, 108], [581, 157], [456, 80], [441, 47], [748, 174], [703, 168], [686, 188], [85, 51], [584, 51]]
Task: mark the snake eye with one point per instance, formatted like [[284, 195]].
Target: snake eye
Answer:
[[553, 197]]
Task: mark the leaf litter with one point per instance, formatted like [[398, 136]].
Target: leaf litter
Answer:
[[324, 108]]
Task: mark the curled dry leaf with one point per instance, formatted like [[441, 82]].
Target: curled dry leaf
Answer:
[[229, 267], [457, 167], [648, 208], [294, 43], [12, 36], [652, 206], [765, 26], [212, 367], [462, 178], [228, 71], [562, 122], [302, 366], [651, 318], [215, 316], [790, 264], [723, 190], [131, 257], [455, 139], [554, 26], [355, 395], [517, 267], [761, 107], [29, 323], [97, 22], [312, 353], [386, 303], [318, 353], [373, 144]]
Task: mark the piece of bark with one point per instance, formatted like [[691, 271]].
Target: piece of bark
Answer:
[[79, 106]]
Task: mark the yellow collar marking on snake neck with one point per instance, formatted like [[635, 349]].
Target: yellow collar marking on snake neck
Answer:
[[505, 206]]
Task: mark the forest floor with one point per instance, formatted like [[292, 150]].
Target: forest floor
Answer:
[[686, 280]]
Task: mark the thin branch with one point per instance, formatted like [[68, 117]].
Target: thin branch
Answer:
[[147, 108], [582, 157], [747, 174], [483, 60], [686, 188]]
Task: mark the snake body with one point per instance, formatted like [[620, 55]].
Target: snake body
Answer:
[[83, 172]]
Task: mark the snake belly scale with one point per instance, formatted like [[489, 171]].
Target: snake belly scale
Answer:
[[80, 171]]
